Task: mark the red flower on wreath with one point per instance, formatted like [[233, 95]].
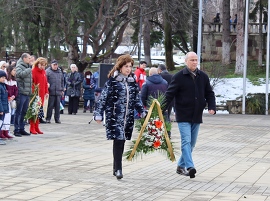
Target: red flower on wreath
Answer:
[[157, 144], [158, 124]]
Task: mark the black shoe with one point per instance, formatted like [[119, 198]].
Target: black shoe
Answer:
[[114, 172], [182, 171], [84, 111], [17, 134], [119, 174], [23, 132], [48, 121], [61, 111], [42, 121], [192, 171], [58, 121], [74, 113], [169, 134]]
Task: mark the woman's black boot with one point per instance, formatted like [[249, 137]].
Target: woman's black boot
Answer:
[[119, 174]]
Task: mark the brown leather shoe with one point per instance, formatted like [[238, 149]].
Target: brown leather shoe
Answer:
[[182, 171]]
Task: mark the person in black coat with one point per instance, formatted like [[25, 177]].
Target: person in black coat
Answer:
[[73, 81], [191, 90], [162, 70]]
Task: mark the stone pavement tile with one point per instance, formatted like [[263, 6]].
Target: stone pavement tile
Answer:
[[176, 194], [226, 197], [252, 198], [7, 192], [267, 192], [47, 198], [234, 171], [200, 196], [264, 179], [25, 195], [253, 174]]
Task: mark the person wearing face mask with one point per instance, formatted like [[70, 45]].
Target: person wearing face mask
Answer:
[[73, 82], [118, 99], [89, 91]]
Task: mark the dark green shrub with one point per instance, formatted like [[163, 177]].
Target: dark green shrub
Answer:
[[255, 103]]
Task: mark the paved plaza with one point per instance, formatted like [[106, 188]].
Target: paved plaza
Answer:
[[72, 161]]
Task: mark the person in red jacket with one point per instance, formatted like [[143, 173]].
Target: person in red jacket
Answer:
[[39, 78], [141, 74]]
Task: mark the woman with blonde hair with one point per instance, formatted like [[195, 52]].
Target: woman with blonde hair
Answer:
[[39, 78], [119, 98]]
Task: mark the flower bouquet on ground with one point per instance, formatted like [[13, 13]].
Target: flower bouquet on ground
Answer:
[[153, 133], [34, 105]]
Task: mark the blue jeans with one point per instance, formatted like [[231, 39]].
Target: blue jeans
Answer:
[[22, 106], [189, 134]]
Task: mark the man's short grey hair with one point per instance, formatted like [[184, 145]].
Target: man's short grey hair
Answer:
[[187, 55], [162, 67], [25, 55]]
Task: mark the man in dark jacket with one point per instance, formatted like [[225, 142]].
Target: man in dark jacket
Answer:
[[24, 83], [153, 86], [56, 91], [192, 90], [162, 70]]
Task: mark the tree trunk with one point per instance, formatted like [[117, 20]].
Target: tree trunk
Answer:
[[239, 66], [168, 44], [260, 37], [146, 40], [73, 56], [226, 40]]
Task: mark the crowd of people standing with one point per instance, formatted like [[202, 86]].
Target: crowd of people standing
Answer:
[[18, 80], [124, 93]]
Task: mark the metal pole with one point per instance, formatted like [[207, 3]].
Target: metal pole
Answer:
[[199, 35], [140, 34], [245, 58], [267, 62]]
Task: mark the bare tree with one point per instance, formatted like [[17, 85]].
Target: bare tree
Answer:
[[226, 40], [103, 26], [239, 66], [146, 31]]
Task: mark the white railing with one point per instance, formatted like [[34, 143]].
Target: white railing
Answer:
[[218, 27]]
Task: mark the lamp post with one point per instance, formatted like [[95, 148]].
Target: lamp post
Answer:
[[140, 33], [245, 57], [267, 63], [199, 35]]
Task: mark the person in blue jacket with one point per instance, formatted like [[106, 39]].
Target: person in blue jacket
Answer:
[[154, 86], [89, 91]]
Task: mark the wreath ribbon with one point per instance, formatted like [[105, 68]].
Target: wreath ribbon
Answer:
[[155, 101]]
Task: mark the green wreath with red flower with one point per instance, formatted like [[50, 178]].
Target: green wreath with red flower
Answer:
[[34, 105], [153, 137]]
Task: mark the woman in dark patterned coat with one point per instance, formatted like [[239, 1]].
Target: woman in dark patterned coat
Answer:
[[119, 98]]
